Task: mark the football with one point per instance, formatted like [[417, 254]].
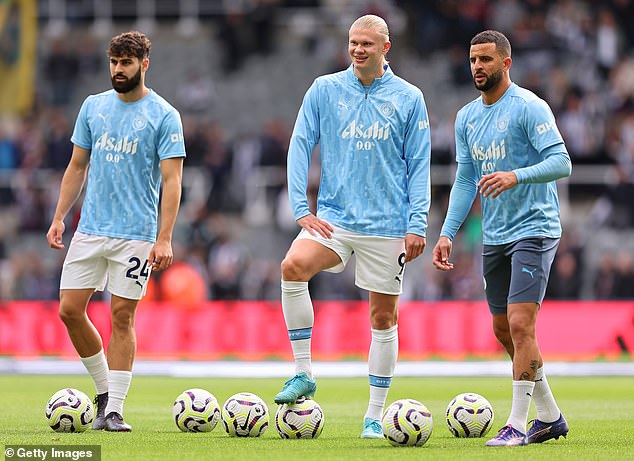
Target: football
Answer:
[[245, 415], [196, 410], [69, 410], [303, 419], [469, 415], [407, 423]]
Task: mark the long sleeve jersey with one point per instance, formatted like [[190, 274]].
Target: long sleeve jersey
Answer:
[[375, 153]]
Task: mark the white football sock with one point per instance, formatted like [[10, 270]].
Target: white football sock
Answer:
[[522, 394], [381, 363], [118, 385], [97, 367], [547, 409], [299, 316]]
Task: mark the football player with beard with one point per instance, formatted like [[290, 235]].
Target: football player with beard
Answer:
[[128, 145]]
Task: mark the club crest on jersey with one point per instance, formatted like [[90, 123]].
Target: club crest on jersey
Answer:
[[502, 123], [139, 122], [357, 130], [387, 109]]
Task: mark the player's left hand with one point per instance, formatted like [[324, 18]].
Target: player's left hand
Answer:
[[495, 183], [414, 246], [161, 256], [54, 234], [441, 252]]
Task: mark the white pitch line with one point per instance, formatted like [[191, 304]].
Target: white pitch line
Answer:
[[343, 369]]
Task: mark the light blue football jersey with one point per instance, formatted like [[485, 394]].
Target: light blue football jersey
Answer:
[[127, 142], [375, 152], [514, 132]]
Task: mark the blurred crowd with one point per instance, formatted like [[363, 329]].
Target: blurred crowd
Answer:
[[235, 221]]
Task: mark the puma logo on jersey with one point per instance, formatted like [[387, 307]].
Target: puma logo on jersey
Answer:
[[112, 144], [529, 272]]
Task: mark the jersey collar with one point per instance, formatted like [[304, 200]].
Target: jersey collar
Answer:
[[386, 77]]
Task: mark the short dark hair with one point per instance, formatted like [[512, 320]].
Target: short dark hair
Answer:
[[133, 44], [502, 44]]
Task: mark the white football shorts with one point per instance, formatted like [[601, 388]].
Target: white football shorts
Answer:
[[380, 263], [93, 259]]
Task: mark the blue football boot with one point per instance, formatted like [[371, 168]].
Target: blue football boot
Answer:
[[541, 431], [298, 386], [371, 429]]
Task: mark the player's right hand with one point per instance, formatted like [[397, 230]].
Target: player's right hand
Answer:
[[315, 226], [54, 234], [441, 253]]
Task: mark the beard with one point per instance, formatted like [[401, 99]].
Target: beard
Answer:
[[491, 81], [128, 84]]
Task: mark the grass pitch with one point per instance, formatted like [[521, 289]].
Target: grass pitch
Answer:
[[599, 410]]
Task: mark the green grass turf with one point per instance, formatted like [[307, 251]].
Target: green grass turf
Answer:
[[599, 410]]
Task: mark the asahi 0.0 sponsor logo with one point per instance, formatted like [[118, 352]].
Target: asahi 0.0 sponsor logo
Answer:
[[116, 147], [488, 155], [375, 131], [366, 136]]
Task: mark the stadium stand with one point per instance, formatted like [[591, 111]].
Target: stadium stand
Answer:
[[237, 74]]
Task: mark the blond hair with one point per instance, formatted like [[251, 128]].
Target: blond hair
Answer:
[[371, 21]]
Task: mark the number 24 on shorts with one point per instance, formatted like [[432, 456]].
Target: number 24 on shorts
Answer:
[[136, 264]]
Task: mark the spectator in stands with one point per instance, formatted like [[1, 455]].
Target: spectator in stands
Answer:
[[607, 42], [262, 18], [217, 161], [505, 14], [30, 143], [578, 128], [225, 263], [624, 13], [197, 94], [89, 57], [195, 140], [620, 199], [57, 139], [459, 72], [61, 68], [604, 277], [565, 280], [9, 156], [32, 203], [234, 36], [624, 277], [35, 282]]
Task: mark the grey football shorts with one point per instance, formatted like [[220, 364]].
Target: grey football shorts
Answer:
[[517, 272]]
